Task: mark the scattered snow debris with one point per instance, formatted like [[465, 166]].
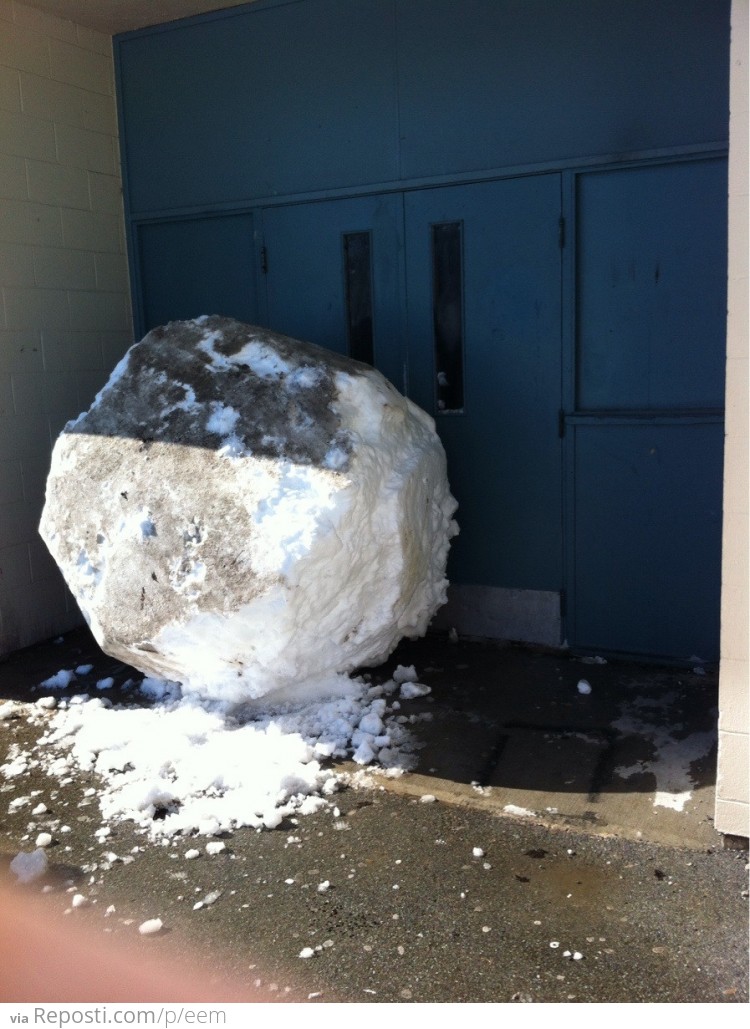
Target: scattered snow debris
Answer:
[[40, 809], [79, 901], [412, 690], [289, 882], [209, 899], [577, 956], [150, 926], [324, 887], [47, 703], [83, 669], [477, 852], [312, 996], [215, 847], [10, 709], [699, 670], [110, 911], [427, 798], [17, 803], [28, 867], [105, 684], [594, 660], [307, 952], [60, 680], [514, 809], [486, 929], [175, 765], [486, 865], [44, 839], [192, 854], [405, 673], [453, 636], [102, 833], [584, 686], [554, 944]]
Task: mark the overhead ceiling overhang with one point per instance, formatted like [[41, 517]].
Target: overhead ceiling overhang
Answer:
[[113, 16]]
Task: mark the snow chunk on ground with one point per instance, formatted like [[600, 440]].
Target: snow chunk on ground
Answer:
[[60, 680], [411, 690], [150, 926], [28, 867]]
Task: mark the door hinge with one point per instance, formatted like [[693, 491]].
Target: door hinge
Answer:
[[264, 260], [561, 232], [561, 423]]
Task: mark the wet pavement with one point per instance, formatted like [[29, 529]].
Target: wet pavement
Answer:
[[592, 812]]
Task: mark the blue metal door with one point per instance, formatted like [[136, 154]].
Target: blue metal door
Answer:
[[644, 432], [484, 343], [333, 276], [195, 266]]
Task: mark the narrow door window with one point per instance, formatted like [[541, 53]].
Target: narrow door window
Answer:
[[358, 280], [447, 314]]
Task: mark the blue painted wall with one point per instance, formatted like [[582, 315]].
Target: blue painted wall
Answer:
[[283, 98]]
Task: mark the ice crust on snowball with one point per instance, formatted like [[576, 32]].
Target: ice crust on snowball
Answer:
[[241, 512]]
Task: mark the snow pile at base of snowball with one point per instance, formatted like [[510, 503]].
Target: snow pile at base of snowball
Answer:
[[180, 765], [239, 511]]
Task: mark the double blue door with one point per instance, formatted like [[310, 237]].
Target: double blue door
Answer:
[[565, 331]]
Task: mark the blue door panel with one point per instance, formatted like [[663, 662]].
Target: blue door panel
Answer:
[[648, 539], [504, 83], [504, 453], [305, 291], [645, 432], [273, 100], [651, 287], [197, 266]]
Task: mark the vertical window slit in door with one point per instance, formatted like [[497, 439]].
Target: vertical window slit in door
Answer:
[[447, 315], [358, 281]]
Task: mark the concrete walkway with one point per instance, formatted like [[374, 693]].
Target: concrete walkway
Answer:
[[608, 747]]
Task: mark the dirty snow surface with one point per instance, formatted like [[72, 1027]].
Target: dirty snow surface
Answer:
[[177, 765]]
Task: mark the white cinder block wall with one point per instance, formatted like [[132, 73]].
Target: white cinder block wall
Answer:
[[732, 802], [64, 299]]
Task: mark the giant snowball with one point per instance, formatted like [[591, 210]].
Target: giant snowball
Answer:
[[239, 511]]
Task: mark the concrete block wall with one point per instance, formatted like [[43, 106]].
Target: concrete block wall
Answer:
[[732, 793], [64, 297]]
